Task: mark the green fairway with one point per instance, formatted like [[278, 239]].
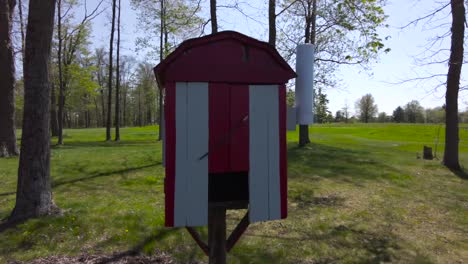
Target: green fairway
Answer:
[[357, 194]]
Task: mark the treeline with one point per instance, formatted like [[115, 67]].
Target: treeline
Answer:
[[86, 95], [79, 78], [366, 111]]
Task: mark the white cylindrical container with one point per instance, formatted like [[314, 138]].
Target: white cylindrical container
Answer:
[[304, 84]]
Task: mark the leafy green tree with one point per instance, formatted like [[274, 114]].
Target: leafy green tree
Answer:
[[414, 112], [382, 117], [435, 115], [290, 97], [145, 95], [343, 32], [345, 111], [71, 39], [339, 116], [172, 21], [366, 108], [398, 115], [322, 113]]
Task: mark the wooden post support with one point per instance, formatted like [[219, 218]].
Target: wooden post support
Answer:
[[217, 234], [199, 241], [218, 245]]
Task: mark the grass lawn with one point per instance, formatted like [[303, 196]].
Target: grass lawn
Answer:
[[357, 194]]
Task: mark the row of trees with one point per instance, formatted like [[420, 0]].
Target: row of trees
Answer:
[[80, 79], [366, 111]]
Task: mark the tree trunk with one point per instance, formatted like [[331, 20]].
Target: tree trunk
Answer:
[[117, 84], [20, 13], [272, 22], [453, 85], [124, 101], [103, 108], [214, 19], [61, 103], [162, 50], [53, 110], [34, 194], [139, 108], [109, 83], [96, 108], [7, 82]]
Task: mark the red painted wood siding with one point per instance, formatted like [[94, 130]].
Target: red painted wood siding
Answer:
[[228, 61], [229, 131], [169, 180]]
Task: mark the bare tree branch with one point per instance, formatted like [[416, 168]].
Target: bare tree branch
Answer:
[[428, 16]]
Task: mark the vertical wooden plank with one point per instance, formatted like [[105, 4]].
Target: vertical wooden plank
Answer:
[[264, 177], [273, 152], [239, 139], [169, 180], [258, 153], [219, 127], [198, 134], [181, 161]]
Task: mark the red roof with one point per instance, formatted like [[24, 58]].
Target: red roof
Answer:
[[226, 57]]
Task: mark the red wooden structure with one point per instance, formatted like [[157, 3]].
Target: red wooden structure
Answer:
[[225, 128]]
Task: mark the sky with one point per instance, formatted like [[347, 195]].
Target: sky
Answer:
[[385, 79]]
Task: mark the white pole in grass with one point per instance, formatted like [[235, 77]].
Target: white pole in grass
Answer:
[[304, 92]]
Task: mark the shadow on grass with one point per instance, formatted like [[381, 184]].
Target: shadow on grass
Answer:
[[94, 176], [103, 174], [462, 173], [7, 193], [375, 247], [88, 144], [5, 224], [157, 235], [345, 164]]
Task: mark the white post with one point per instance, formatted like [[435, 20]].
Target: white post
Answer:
[[304, 92]]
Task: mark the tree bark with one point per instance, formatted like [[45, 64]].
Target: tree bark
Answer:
[[124, 101], [272, 22], [109, 83], [21, 20], [61, 100], [162, 50], [7, 82], [103, 108], [453, 85], [34, 194], [117, 84], [214, 19], [96, 108], [53, 110]]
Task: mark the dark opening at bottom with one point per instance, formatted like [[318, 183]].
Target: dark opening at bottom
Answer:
[[230, 187]]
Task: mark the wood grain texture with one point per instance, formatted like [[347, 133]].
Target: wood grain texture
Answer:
[[191, 172], [264, 185]]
